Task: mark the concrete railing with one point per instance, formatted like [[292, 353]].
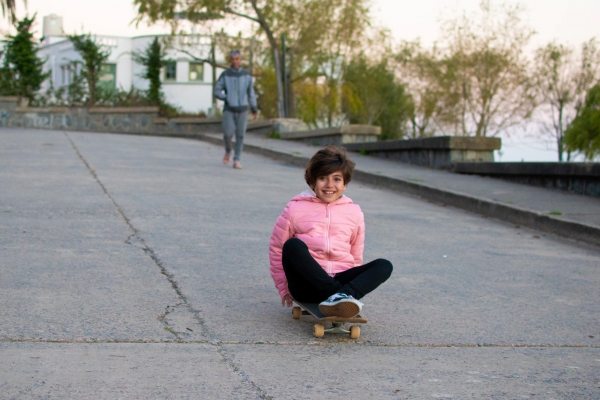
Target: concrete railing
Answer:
[[276, 126], [340, 135], [581, 178], [295, 129], [440, 152]]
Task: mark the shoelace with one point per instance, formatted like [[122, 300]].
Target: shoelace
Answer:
[[338, 297]]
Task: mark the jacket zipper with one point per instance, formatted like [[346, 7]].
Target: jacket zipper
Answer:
[[327, 239]]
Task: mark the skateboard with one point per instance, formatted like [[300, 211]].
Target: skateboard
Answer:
[[337, 322]]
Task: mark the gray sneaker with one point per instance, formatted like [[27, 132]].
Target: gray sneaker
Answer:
[[340, 305]]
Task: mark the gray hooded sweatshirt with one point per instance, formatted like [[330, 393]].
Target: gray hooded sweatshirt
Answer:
[[234, 87]]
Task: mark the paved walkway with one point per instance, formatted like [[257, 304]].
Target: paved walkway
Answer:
[[136, 267]]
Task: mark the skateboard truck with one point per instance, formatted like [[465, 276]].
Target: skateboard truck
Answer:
[[336, 322]]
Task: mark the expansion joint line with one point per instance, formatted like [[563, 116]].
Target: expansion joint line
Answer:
[[220, 345], [150, 252]]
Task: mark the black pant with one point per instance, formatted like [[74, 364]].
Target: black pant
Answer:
[[308, 282]]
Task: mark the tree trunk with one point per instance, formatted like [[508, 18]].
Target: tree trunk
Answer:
[[560, 149], [280, 110], [559, 134], [214, 75], [91, 87], [273, 43], [290, 92]]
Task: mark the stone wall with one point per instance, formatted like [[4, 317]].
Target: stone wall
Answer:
[[146, 121], [135, 120], [186, 126], [8, 104]]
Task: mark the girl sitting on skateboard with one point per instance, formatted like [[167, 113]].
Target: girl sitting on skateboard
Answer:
[[316, 249]]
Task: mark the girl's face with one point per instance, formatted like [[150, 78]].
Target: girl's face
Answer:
[[330, 187]]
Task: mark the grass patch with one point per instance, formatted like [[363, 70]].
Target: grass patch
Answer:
[[555, 213]]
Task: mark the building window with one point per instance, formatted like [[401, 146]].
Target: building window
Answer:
[[170, 71], [196, 72], [109, 42], [108, 76], [68, 72], [65, 73]]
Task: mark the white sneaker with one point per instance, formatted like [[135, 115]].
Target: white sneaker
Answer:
[[340, 305]]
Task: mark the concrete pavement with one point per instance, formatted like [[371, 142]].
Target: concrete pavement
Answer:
[[136, 267]]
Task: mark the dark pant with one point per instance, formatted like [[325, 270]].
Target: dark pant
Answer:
[[308, 282], [234, 123]]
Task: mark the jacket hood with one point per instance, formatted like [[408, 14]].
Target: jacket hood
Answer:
[[309, 195]]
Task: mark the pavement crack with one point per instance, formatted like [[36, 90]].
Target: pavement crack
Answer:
[[163, 320], [242, 375], [135, 239]]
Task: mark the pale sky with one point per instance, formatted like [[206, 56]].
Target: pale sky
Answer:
[[566, 21]]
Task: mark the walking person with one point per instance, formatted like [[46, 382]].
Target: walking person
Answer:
[[234, 87]]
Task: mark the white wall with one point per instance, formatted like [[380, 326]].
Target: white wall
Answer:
[[190, 96]]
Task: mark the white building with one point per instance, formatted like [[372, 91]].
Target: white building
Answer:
[[187, 82]]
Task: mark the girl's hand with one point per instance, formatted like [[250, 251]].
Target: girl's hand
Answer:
[[286, 300]]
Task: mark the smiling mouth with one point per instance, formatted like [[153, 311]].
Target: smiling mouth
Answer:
[[328, 192]]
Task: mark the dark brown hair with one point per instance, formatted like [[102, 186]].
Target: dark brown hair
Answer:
[[327, 161]]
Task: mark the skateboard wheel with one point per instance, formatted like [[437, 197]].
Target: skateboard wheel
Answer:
[[354, 332], [296, 312], [319, 331]]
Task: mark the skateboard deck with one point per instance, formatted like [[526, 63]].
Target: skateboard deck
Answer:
[[336, 322]]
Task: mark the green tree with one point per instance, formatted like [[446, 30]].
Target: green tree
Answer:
[[8, 83], [562, 79], [373, 96], [421, 71], [93, 56], [486, 78], [476, 81], [200, 11], [324, 35], [583, 134], [325, 29], [153, 59], [21, 58]]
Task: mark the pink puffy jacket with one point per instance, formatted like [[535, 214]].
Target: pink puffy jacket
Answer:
[[334, 234]]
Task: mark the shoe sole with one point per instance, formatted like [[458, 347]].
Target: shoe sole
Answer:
[[343, 309]]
